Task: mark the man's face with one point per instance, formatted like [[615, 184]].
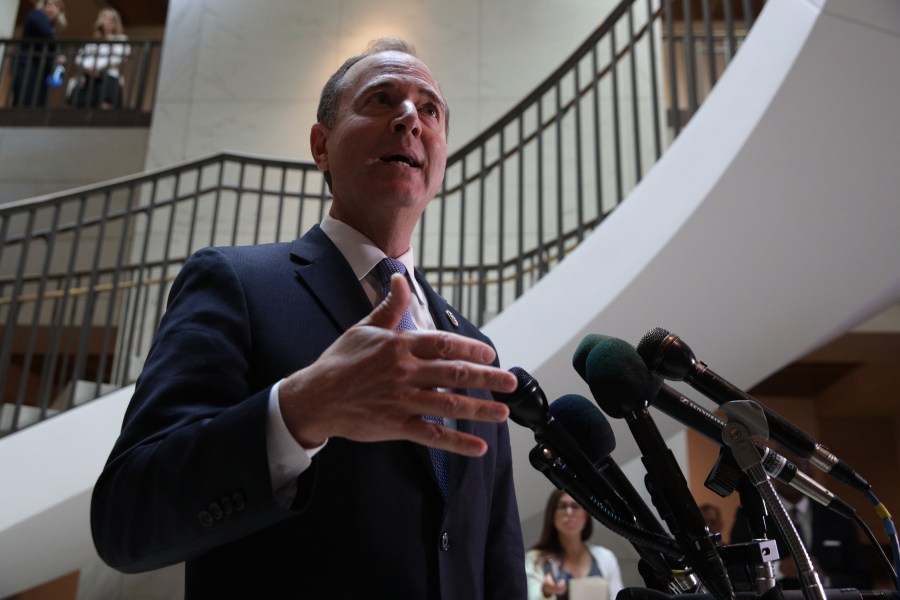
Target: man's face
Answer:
[[388, 146]]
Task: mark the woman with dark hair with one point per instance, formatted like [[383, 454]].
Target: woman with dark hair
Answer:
[[37, 56], [562, 553]]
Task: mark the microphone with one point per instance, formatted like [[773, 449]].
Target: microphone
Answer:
[[691, 414], [667, 355], [560, 458], [613, 369], [593, 433]]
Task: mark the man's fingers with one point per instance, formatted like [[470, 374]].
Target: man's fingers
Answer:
[[438, 436], [450, 346], [455, 406], [461, 374]]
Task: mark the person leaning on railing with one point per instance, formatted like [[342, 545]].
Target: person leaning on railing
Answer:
[[100, 80], [37, 56]]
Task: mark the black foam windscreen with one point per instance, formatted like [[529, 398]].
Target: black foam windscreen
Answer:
[[579, 359], [619, 380], [586, 424]]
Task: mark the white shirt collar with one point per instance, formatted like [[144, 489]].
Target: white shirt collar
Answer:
[[363, 254]]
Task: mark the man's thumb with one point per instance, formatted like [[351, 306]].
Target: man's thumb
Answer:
[[388, 312]]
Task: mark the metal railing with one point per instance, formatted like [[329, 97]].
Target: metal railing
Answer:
[[84, 275], [78, 82]]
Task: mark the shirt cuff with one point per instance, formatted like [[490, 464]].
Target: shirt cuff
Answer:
[[287, 458]]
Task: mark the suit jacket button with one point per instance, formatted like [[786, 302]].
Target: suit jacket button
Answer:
[[238, 499], [445, 541], [226, 504], [205, 518], [216, 511]]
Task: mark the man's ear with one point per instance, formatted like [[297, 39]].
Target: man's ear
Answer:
[[318, 136]]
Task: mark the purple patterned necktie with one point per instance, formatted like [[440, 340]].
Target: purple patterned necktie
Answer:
[[439, 459]]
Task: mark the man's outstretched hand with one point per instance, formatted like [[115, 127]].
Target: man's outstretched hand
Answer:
[[375, 382]]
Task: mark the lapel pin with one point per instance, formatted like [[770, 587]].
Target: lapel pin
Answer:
[[450, 316]]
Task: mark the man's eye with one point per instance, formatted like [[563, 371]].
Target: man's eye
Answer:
[[380, 98], [431, 111]]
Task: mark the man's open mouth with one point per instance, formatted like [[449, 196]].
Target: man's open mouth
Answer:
[[402, 159]]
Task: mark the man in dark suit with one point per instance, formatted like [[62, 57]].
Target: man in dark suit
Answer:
[[275, 441], [830, 539]]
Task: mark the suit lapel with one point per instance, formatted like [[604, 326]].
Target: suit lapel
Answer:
[[327, 276]]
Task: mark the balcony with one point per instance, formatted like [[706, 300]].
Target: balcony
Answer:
[[44, 85]]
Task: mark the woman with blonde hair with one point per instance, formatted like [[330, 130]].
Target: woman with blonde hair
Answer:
[[100, 82]]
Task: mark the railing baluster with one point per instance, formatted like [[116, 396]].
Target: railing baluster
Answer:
[[617, 127], [635, 110], [87, 317], [501, 220], [652, 68]]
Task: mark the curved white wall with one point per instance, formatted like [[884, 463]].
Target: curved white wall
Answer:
[[769, 227], [50, 470]]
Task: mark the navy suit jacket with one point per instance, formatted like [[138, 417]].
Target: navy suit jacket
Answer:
[[188, 479]]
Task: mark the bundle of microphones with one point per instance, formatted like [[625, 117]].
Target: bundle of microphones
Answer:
[[575, 441]]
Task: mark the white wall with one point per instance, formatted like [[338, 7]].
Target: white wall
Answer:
[[246, 76], [8, 11], [41, 160]]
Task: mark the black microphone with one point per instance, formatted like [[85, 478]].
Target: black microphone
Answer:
[[689, 413], [591, 430], [622, 386], [667, 355], [561, 459]]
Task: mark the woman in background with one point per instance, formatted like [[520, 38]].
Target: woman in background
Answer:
[[562, 553], [100, 83], [37, 57]]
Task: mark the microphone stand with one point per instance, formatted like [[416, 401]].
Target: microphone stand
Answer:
[[746, 418], [753, 560]]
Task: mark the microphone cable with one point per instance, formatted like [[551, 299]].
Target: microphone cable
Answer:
[[891, 531]]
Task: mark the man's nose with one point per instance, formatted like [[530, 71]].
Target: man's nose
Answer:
[[407, 118]]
